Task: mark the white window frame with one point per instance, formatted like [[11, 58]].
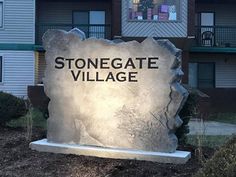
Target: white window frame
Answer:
[[2, 69], [2, 25]]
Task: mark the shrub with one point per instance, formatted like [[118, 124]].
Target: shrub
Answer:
[[11, 107], [223, 162], [189, 110], [43, 107]]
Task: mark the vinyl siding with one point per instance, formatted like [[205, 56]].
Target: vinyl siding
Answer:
[[225, 69], [223, 16], [155, 29], [61, 12], [226, 73], [18, 72], [18, 22]]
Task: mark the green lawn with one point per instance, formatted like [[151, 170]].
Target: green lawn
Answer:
[[224, 117], [34, 117], [212, 141]]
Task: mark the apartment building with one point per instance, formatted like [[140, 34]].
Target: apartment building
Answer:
[[203, 29], [212, 64], [17, 38]]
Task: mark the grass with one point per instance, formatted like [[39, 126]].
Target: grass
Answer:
[[212, 141], [33, 114], [224, 117]]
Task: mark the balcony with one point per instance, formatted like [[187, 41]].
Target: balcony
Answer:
[[215, 36], [98, 31]]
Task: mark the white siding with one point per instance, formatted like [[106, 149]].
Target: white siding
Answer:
[[155, 29], [19, 22], [226, 73], [18, 71]]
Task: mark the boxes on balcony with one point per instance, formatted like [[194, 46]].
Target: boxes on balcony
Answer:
[[172, 13], [164, 8], [132, 14], [155, 17], [149, 14], [172, 16], [155, 12], [163, 16], [139, 15]]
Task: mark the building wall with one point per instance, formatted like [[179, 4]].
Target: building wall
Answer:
[[225, 68], [58, 15], [220, 100], [18, 71], [18, 22], [61, 12], [223, 16], [155, 29]]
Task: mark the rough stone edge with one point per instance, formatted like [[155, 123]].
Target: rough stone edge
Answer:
[[165, 43], [178, 157]]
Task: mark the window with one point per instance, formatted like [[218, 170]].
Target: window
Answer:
[[154, 10], [1, 14], [92, 23], [202, 75], [1, 69]]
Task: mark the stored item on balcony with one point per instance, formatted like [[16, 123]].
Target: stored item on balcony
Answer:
[[143, 7], [207, 38], [155, 10], [149, 14], [163, 16], [164, 8], [172, 16], [155, 17], [139, 15], [132, 14], [172, 13]]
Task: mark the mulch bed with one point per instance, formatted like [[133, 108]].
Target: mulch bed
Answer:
[[16, 159]]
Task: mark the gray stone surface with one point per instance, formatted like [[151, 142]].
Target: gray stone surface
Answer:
[[140, 115], [178, 157]]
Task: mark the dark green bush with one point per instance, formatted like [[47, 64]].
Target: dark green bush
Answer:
[[223, 162], [11, 107], [188, 111], [43, 107]]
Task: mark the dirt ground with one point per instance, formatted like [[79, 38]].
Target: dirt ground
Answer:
[[16, 159]]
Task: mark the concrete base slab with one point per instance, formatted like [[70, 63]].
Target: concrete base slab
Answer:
[[178, 157]]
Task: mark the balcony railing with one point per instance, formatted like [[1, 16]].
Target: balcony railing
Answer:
[[216, 36], [98, 31]]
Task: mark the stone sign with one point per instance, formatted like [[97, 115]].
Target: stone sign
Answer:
[[105, 94]]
